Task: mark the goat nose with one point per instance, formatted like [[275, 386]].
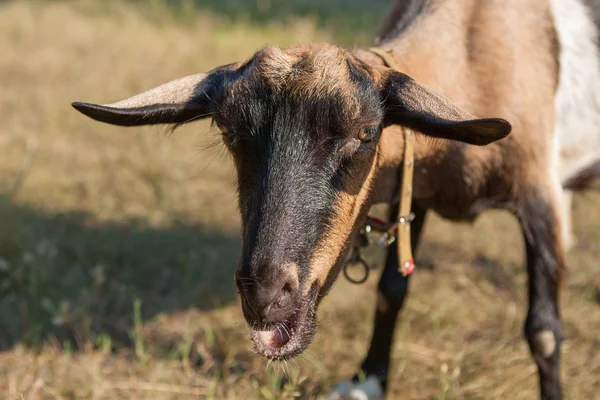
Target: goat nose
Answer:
[[279, 301], [272, 300]]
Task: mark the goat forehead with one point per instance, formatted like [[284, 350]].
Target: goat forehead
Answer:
[[314, 71], [316, 68], [321, 80]]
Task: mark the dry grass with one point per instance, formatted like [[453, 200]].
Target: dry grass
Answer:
[[117, 247]]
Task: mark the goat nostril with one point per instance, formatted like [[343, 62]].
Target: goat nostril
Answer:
[[287, 289]]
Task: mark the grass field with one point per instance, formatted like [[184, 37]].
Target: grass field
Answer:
[[118, 246]]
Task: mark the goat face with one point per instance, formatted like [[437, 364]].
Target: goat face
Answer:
[[303, 128]]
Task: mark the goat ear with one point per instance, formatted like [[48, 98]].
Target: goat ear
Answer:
[[424, 110], [177, 102]]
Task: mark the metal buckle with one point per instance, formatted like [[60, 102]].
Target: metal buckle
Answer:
[[386, 239], [389, 236], [366, 238], [406, 219]]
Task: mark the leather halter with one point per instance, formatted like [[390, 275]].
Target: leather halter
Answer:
[[405, 216], [399, 230]]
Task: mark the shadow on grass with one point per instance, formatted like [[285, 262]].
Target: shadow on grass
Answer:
[[68, 276]]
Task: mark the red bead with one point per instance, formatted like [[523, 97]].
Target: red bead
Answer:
[[409, 266]]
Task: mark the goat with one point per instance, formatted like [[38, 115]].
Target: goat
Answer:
[[316, 137]]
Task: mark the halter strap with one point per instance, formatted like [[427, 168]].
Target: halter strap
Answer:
[[405, 216]]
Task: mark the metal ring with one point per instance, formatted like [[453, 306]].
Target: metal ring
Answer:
[[357, 260]]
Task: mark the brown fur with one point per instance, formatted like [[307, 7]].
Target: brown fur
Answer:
[[467, 62], [515, 80], [489, 76], [496, 58], [314, 70], [470, 61], [348, 207]]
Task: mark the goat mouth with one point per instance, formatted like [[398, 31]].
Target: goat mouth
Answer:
[[287, 339]]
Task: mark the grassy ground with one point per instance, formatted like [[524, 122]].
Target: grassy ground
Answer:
[[118, 246]]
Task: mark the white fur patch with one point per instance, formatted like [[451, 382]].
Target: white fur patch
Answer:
[[369, 389], [544, 343], [578, 96]]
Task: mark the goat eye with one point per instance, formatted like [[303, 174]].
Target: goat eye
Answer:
[[368, 134]]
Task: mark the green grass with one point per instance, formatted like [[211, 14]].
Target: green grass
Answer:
[[118, 246]]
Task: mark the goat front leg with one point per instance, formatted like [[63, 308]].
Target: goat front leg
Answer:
[[539, 215], [392, 290]]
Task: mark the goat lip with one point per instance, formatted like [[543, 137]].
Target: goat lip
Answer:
[[280, 334], [288, 338], [275, 339]]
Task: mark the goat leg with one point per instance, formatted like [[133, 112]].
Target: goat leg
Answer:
[[392, 290], [539, 216]]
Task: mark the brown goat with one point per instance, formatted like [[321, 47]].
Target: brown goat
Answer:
[[316, 137]]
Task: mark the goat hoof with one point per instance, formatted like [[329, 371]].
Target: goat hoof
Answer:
[[544, 343], [369, 389]]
